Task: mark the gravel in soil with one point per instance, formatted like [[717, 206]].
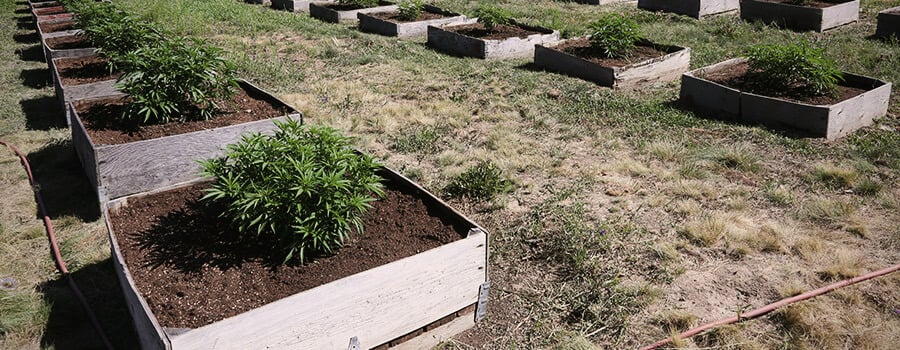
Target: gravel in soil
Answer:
[[67, 42], [194, 270], [103, 118], [51, 27], [503, 31], [396, 18], [736, 76], [581, 47], [84, 70]]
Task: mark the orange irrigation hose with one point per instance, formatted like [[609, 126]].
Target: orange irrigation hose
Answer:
[[771, 307], [54, 247]]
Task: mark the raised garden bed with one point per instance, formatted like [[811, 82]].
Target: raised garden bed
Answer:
[[297, 5], [65, 44], [693, 8], [390, 23], [56, 17], [716, 90], [650, 63], [121, 159], [79, 78], [505, 41], [335, 13], [39, 4], [818, 15], [889, 23], [411, 280]]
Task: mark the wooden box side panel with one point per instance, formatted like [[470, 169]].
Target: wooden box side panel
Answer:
[[84, 147], [780, 113], [663, 69], [889, 22], [860, 111], [712, 7], [454, 43], [150, 335], [573, 66], [370, 24], [707, 97], [146, 165], [419, 29], [517, 47], [839, 15], [323, 13], [683, 7], [375, 305]]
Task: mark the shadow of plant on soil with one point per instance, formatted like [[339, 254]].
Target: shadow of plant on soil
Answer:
[[193, 237], [68, 326], [33, 53], [43, 113], [62, 182], [37, 78]]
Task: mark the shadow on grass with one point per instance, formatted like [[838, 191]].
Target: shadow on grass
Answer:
[[68, 326], [37, 78], [30, 38], [43, 113], [26, 24], [19, 11], [780, 130], [65, 188], [33, 53]]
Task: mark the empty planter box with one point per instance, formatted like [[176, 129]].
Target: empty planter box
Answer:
[[452, 39], [798, 17], [693, 8], [336, 12], [389, 24]]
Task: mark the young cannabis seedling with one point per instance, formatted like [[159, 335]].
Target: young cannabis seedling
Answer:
[[614, 35], [410, 10], [304, 185], [491, 16], [177, 80], [793, 68], [481, 181]]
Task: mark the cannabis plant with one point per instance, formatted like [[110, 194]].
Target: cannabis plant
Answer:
[[117, 35], [793, 68], [410, 10], [491, 16], [177, 80], [303, 185], [614, 35]]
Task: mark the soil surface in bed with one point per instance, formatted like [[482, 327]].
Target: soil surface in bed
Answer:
[[395, 16], [499, 32], [736, 77], [84, 70], [194, 270], [581, 47], [51, 27]]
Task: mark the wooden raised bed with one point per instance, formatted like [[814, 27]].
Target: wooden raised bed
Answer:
[[39, 4], [323, 11], [411, 303], [798, 17], [668, 67], [828, 121], [51, 53], [68, 93], [297, 5], [58, 17], [889, 23], [693, 8], [445, 39], [124, 169], [372, 24]]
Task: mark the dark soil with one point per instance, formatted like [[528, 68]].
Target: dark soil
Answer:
[[67, 42], [194, 270], [351, 7], [51, 10], [66, 15], [84, 70], [503, 31], [396, 18], [104, 123], [50, 27], [813, 3], [581, 47], [737, 77]]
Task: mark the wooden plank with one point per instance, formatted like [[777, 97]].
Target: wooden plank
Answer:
[[516, 47], [708, 97], [375, 305], [656, 70], [859, 111], [888, 23], [433, 337], [571, 65], [692, 8], [321, 12], [798, 17], [372, 24], [84, 148]]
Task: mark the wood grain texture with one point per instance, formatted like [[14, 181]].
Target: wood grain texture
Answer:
[[371, 24], [84, 148], [433, 337], [710, 98], [800, 17], [67, 93], [322, 13], [439, 37]]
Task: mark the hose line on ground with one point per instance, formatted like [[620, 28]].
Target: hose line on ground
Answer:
[[771, 307], [54, 247]]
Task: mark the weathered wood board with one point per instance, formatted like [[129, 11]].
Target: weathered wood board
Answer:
[[321, 12], [661, 69], [120, 170], [798, 17], [889, 23], [693, 8], [371, 24], [446, 40], [708, 97], [297, 5], [51, 53], [68, 93], [376, 306]]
